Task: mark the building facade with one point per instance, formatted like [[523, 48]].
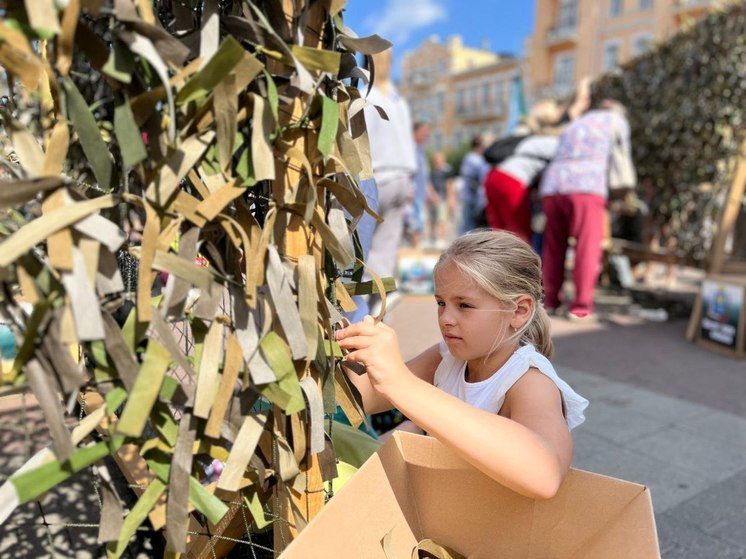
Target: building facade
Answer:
[[577, 38], [460, 91]]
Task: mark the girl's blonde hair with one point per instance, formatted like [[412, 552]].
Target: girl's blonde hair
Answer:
[[506, 268]]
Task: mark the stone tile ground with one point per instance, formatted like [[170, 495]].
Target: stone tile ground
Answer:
[[663, 413], [691, 457]]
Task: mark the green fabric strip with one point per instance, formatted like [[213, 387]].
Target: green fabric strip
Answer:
[[146, 389]]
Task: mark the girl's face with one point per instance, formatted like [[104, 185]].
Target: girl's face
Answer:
[[474, 324]]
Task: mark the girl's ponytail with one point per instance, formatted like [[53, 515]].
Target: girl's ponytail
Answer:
[[538, 332]]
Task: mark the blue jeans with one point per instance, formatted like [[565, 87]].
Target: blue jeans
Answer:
[[468, 213], [365, 228]]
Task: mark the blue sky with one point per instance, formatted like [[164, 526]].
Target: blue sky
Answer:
[[505, 24]]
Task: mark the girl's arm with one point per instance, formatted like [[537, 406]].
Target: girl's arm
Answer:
[[529, 453], [423, 366]]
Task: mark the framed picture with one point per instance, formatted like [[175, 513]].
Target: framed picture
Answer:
[[722, 323]]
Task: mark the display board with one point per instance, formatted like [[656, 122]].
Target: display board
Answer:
[[722, 323]]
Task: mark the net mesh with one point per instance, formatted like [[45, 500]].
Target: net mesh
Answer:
[[65, 521]]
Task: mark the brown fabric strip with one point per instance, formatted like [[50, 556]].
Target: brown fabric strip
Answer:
[[208, 377], [177, 505], [231, 369], [119, 351], [314, 413], [42, 385], [112, 512], [328, 461], [177, 289], [242, 451], [108, 275], [69, 372], [165, 334]]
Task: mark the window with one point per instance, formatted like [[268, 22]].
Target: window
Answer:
[[428, 109], [460, 100], [611, 56], [486, 94], [564, 71], [567, 18], [440, 103], [471, 103], [499, 96], [646, 4], [642, 44], [499, 92], [617, 7]]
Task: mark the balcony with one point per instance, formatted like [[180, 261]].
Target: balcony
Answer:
[[480, 111], [553, 91], [562, 34], [689, 5], [421, 80]]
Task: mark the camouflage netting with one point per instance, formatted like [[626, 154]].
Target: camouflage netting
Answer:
[[686, 101], [179, 192]]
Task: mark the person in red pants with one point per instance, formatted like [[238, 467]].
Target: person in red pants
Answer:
[[508, 184], [574, 191]]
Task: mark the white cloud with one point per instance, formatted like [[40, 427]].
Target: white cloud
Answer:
[[401, 18]]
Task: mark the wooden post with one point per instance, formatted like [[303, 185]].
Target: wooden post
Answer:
[[730, 214], [719, 262], [295, 239]]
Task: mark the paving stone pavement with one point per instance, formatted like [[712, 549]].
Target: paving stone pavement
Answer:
[[692, 458], [663, 413]]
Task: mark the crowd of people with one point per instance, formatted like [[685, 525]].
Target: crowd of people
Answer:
[[547, 182]]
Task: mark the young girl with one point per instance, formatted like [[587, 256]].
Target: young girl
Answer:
[[488, 391]]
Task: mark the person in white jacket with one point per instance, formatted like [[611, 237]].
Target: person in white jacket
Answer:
[[392, 151]]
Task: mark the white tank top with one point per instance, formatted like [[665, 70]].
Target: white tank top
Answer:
[[489, 394]]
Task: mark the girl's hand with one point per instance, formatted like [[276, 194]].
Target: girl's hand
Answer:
[[376, 346]]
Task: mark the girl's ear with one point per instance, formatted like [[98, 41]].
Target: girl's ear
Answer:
[[524, 307]]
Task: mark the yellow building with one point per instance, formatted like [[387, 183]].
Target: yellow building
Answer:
[[459, 90], [577, 38]]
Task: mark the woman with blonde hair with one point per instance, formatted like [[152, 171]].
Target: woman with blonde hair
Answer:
[[508, 185]]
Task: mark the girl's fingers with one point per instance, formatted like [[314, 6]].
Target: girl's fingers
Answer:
[[354, 356], [357, 342], [357, 329]]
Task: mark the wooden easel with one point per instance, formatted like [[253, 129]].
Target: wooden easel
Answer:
[[723, 267]]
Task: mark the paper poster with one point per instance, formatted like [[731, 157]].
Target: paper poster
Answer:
[[721, 312]]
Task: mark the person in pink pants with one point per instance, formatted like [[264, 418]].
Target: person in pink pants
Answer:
[[574, 191], [580, 216]]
